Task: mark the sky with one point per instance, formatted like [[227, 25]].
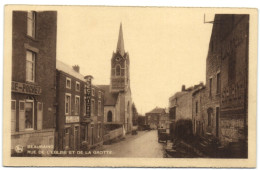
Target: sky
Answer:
[[167, 47]]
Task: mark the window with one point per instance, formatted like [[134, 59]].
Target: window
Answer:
[[68, 83], [173, 113], [196, 107], [77, 86], [30, 66], [210, 86], [39, 115], [109, 116], [67, 138], [209, 118], [31, 17], [29, 114], [92, 107], [85, 89], [99, 108], [99, 94], [67, 103], [84, 106], [13, 115], [99, 130], [118, 69], [218, 83], [93, 92], [86, 133], [77, 105]]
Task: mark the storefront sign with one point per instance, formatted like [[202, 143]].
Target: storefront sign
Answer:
[[26, 88], [88, 96], [72, 119]]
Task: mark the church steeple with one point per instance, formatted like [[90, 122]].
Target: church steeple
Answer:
[[120, 43]]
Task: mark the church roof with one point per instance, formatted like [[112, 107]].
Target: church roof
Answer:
[[120, 43], [109, 98]]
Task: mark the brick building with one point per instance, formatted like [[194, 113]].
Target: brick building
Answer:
[[232, 46], [33, 79], [74, 126], [227, 77]]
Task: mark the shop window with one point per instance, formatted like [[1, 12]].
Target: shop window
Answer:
[[29, 115], [31, 18], [77, 105], [67, 104], [13, 115], [77, 86], [30, 66], [68, 83]]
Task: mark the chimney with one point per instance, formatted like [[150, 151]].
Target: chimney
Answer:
[[76, 68], [183, 88]]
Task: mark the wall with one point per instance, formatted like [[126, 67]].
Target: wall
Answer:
[[44, 45], [234, 81]]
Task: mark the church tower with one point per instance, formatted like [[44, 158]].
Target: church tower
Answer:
[[120, 78]]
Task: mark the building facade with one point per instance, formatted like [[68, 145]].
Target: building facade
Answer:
[[118, 100], [76, 129], [180, 110], [33, 91], [154, 116], [199, 118], [227, 78]]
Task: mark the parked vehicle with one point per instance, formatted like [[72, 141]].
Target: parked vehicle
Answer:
[[162, 135]]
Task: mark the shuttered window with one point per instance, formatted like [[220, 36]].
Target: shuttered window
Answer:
[[21, 115], [13, 115]]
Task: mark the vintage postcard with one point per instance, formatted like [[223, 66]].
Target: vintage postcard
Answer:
[[99, 86]]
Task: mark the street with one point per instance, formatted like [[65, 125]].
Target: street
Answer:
[[144, 144]]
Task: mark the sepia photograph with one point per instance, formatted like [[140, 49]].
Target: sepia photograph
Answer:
[[91, 83]]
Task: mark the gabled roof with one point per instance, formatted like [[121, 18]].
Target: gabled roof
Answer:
[[157, 110], [69, 70], [110, 99]]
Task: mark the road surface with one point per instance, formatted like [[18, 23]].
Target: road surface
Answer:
[[144, 144]]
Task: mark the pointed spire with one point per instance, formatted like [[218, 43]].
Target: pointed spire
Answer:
[[120, 43]]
